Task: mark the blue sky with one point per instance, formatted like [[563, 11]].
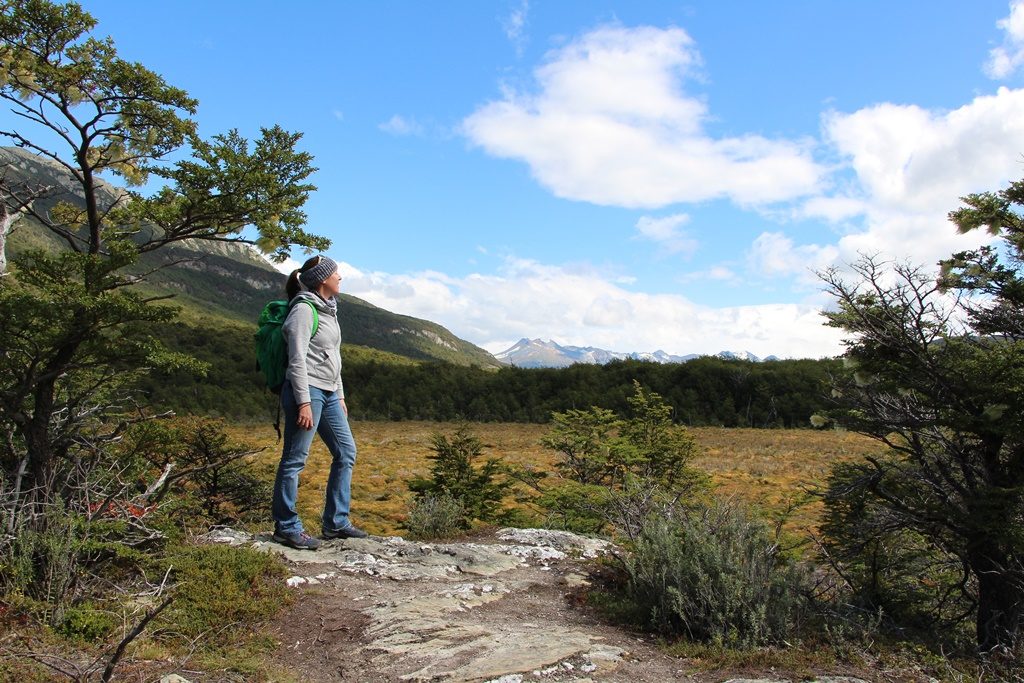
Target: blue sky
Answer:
[[630, 175]]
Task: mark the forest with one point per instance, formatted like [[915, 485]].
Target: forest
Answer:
[[705, 391]]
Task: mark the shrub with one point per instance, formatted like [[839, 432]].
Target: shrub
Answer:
[[43, 564], [435, 516], [203, 468], [619, 472], [88, 623], [715, 575], [889, 569], [576, 507], [223, 588], [455, 474]]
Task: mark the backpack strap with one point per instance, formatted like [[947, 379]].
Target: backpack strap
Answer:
[[316, 318]]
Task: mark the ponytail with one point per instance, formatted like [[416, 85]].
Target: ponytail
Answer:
[[293, 286]]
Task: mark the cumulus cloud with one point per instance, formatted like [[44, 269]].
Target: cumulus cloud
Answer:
[[773, 254], [580, 306], [611, 123], [1007, 58], [399, 125], [909, 166], [666, 232], [609, 312]]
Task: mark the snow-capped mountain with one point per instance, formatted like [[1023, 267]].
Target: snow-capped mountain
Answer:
[[537, 353], [739, 355]]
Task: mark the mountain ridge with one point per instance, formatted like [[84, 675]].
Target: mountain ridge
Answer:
[[231, 280], [537, 353]]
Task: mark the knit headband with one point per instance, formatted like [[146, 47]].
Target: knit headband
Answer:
[[312, 277]]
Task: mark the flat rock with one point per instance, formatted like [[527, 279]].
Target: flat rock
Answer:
[[492, 611]]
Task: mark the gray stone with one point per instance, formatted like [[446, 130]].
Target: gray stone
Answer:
[[226, 535], [820, 679], [564, 542]]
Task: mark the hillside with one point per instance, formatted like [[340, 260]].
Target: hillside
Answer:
[[221, 282]]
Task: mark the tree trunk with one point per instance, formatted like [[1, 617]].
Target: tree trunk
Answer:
[[39, 445], [37, 430], [1000, 598]]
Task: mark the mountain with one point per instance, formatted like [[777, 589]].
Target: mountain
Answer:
[[537, 353], [741, 355], [231, 281]]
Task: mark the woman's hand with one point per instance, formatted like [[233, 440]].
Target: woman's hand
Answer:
[[344, 406], [305, 420]]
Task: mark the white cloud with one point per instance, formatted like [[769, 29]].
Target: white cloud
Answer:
[[399, 125], [773, 254], [832, 209], [1008, 57], [287, 266], [338, 114], [607, 311], [515, 23], [910, 158], [585, 308], [611, 124], [665, 231], [719, 273], [910, 166]]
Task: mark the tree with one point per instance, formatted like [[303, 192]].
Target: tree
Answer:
[[454, 474], [618, 472], [935, 372], [73, 328]]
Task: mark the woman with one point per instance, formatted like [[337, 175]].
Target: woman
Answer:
[[313, 399]]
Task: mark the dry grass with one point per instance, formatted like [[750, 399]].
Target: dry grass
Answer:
[[768, 468]]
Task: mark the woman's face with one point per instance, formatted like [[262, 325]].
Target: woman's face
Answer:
[[331, 286]]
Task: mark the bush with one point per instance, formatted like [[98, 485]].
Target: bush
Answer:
[[209, 480], [889, 569], [455, 474], [222, 588], [435, 516], [715, 575], [619, 472], [576, 507], [88, 623], [43, 564]]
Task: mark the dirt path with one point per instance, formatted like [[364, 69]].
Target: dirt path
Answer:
[[504, 609]]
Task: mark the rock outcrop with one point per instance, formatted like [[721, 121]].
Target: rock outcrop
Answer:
[[499, 610]]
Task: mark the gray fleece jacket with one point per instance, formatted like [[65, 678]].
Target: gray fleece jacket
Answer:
[[313, 361]]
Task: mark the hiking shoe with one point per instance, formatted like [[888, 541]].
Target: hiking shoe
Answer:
[[299, 540], [351, 531]]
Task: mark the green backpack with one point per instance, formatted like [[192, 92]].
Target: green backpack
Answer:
[[271, 350]]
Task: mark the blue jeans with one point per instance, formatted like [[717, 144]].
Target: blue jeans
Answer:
[[330, 421]]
